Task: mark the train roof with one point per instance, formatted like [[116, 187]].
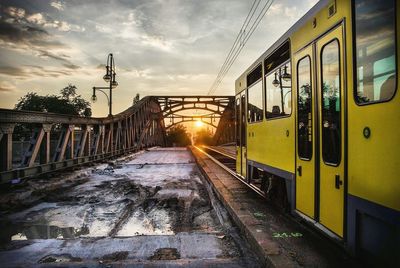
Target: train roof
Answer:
[[310, 14]]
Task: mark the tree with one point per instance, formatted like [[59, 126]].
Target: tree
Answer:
[[204, 137], [68, 102], [178, 136], [136, 99]]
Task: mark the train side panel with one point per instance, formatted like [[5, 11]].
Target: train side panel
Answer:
[[272, 143], [373, 201]]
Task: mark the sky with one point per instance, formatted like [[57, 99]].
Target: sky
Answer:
[[160, 47]]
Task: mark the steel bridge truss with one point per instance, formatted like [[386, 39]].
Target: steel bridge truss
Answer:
[[60, 141], [33, 143], [213, 107]]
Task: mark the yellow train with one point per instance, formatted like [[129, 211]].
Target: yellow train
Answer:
[[318, 124]]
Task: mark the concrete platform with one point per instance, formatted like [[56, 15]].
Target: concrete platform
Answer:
[[277, 238]]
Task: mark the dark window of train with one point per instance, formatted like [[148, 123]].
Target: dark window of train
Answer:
[[304, 108], [254, 95], [278, 95], [375, 50], [279, 56], [243, 120], [237, 121], [330, 86], [278, 85]]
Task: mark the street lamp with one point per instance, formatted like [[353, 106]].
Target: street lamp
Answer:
[[279, 76], [109, 77]]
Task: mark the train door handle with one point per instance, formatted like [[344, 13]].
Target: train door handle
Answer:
[[299, 170], [338, 182]]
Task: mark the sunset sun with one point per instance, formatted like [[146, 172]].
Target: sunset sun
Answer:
[[199, 124]]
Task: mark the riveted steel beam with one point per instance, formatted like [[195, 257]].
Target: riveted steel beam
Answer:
[[137, 127]]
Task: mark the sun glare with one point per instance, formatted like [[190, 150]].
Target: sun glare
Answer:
[[199, 124]]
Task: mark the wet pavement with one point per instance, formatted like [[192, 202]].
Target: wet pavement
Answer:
[[150, 209]]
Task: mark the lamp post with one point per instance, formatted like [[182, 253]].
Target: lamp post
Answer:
[[109, 77], [285, 76]]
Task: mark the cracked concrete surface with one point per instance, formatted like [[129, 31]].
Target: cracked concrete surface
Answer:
[[149, 208]]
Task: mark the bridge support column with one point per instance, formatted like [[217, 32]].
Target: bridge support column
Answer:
[[45, 147], [6, 131], [84, 141], [67, 134], [98, 140]]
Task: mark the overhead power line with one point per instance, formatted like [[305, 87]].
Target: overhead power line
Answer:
[[241, 40], [237, 40]]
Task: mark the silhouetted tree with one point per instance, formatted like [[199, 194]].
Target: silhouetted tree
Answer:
[[68, 102], [178, 136], [204, 137], [136, 99]]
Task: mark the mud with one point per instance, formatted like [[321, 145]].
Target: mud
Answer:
[[59, 258], [166, 254], [115, 256]]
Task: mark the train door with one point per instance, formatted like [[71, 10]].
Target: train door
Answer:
[[331, 123], [237, 134], [243, 134], [305, 156], [320, 131]]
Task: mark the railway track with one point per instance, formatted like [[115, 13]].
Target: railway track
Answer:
[[228, 162]]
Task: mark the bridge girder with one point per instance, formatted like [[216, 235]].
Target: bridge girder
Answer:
[[172, 105], [82, 140]]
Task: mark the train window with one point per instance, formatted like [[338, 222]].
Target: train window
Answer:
[[375, 45], [254, 96], [243, 120], [304, 108], [330, 86], [278, 87], [279, 56], [254, 105]]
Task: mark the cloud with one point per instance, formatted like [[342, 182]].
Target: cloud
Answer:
[[15, 12], [30, 71], [5, 89], [157, 42], [62, 26], [13, 71], [36, 18], [6, 86], [31, 39], [57, 5], [20, 16], [26, 34], [137, 73], [60, 57], [71, 66], [20, 34], [48, 54]]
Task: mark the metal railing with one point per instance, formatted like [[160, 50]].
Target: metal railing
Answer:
[[32, 143], [60, 141]]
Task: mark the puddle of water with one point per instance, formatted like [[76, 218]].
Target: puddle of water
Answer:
[[39, 207], [18, 237], [46, 232], [176, 193], [157, 222]]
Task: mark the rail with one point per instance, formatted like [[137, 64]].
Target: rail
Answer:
[[230, 171]]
